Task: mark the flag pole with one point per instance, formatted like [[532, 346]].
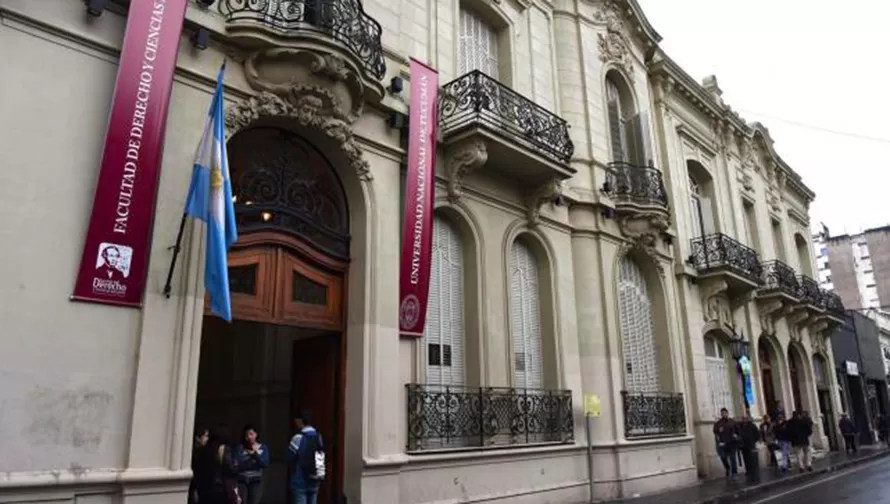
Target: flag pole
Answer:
[[176, 248]]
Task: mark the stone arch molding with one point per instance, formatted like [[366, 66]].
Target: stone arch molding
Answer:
[[311, 107]]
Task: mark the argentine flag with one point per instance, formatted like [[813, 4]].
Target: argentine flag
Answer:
[[210, 200]]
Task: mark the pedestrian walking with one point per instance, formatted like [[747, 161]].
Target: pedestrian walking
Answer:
[[783, 438], [801, 428], [848, 431], [749, 436], [727, 439], [768, 436], [251, 459], [883, 425], [201, 489]]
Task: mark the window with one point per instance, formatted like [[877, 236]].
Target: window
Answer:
[[628, 132], [478, 45], [525, 314], [696, 207], [749, 219], [445, 312], [637, 329], [719, 376]]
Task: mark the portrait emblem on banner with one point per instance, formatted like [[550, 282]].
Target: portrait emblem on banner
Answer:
[[113, 261], [409, 312]]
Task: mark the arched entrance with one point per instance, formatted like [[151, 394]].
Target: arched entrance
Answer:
[[769, 372], [285, 349], [797, 370], [823, 392]]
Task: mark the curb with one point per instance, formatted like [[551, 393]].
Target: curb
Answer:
[[796, 479]]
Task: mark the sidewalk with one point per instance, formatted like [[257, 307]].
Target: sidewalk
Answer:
[[721, 490]]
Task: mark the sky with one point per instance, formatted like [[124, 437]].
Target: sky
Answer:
[[800, 67]]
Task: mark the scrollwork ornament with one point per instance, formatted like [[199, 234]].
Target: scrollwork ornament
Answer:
[[464, 159], [311, 107]]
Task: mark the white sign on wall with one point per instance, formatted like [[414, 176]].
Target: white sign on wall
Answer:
[[852, 368]]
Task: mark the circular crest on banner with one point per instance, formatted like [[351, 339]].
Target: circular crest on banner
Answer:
[[409, 312]]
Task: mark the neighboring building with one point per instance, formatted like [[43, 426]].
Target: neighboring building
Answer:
[[861, 371], [856, 267], [604, 225]]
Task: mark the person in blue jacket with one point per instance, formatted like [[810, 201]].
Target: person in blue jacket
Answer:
[[302, 452], [251, 459]]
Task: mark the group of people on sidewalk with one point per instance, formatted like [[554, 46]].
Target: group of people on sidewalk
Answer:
[[737, 439], [232, 473]]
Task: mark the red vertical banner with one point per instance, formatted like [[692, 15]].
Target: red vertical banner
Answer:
[[417, 237], [115, 253]]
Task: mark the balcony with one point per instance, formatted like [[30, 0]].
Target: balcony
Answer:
[[339, 24], [779, 281], [636, 188], [653, 414], [810, 295], [834, 306], [522, 140], [448, 417], [719, 256]]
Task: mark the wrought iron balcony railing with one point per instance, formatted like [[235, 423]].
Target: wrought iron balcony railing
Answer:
[[778, 276], [833, 303], [720, 251], [642, 185], [443, 417], [810, 293], [653, 414], [343, 20], [475, 98]]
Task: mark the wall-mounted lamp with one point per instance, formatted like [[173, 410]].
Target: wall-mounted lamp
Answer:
[[398, 120], [201, 39], [96, 7], [396, 85]]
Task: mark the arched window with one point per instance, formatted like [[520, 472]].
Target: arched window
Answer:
[[628, 130], [525, 313], [719, 376], [803, 254], [445, 324], [637, 329], [478, 44]]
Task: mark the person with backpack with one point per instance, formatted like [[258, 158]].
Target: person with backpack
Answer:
[[306, 452]]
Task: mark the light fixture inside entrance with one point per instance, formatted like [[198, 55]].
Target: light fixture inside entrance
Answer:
[[267, 216]]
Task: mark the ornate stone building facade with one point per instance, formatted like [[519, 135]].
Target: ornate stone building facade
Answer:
[[604, 225]]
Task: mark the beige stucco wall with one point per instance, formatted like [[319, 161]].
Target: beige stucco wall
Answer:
[[100, 400]]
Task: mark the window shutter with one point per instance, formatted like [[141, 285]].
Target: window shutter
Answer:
[[616, 128], [707, 215], [720, 381], [445, 312], [637, 330], [478, 45], [525, 314]]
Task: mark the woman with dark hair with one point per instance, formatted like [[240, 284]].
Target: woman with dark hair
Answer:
[[203, 471], [251, 458], [225, 469]]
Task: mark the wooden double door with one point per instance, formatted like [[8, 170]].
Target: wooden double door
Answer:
[[276, 281]]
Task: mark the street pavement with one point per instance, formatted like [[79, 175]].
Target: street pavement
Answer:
[[865, 484]]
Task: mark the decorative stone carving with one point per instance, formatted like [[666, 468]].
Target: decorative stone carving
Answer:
[[768, 311], [819, 344], [464, 158], [818, 325], [311, 107], [280, 69], [614, 45], [796, 320], [614, 48], [643, 231], [716, 301], [548, 192]]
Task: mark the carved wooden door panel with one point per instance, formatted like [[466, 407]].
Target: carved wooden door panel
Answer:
[[307, 296]]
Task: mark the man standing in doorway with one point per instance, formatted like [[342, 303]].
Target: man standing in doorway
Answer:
[[302, 452], [726, 435]]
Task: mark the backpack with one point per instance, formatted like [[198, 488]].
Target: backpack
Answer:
[[310, 460]]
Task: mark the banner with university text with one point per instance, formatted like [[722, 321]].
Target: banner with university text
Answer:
[[417, 237], [115, 254]]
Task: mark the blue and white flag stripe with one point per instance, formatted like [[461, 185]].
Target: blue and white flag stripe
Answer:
[[210, 200]]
